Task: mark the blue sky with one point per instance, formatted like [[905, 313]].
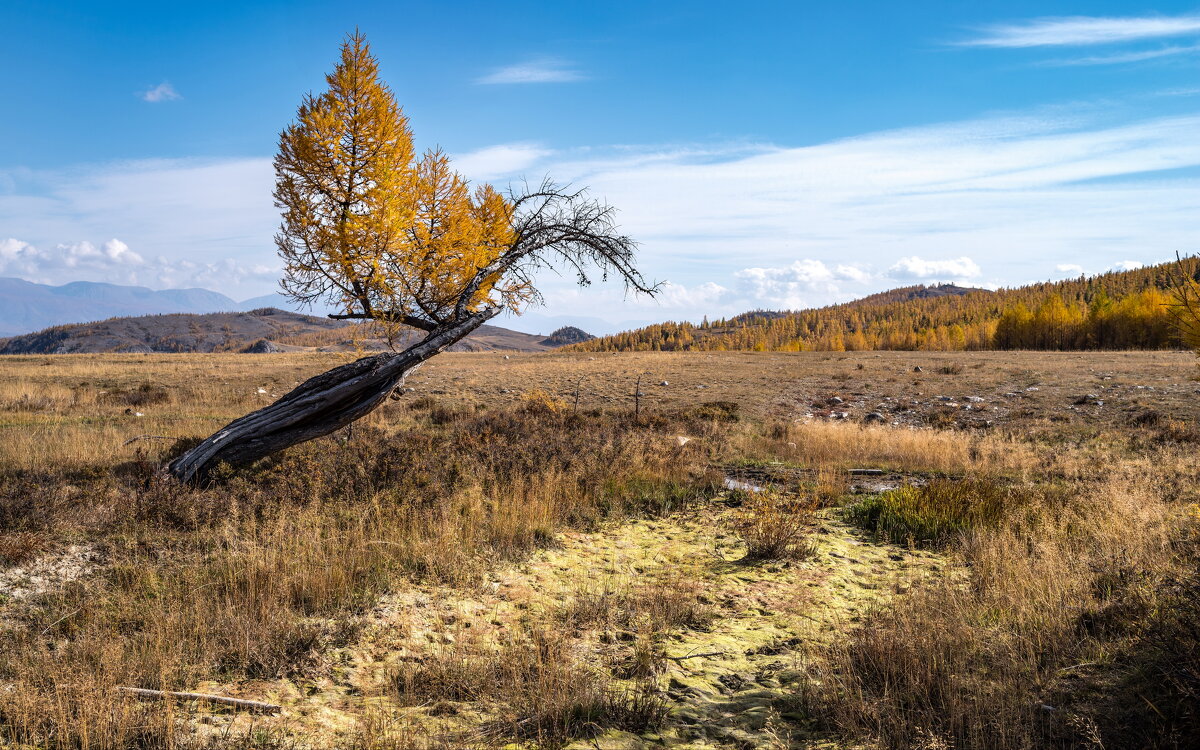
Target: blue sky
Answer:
[[765, 154]]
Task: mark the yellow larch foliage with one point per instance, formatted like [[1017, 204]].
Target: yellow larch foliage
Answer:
[[366, 226]]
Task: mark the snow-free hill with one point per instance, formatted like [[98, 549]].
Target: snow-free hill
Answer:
[[234, 332], [1113, 310], [567, 335]]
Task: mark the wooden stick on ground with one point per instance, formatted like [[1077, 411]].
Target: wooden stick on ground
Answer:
[[256, 706], [696, 656]]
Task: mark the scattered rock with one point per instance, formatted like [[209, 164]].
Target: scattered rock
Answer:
[[874, 418], [918, 368], [835, 400]]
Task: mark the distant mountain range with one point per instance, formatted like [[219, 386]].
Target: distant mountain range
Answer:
[[262, 330], [26, 307]]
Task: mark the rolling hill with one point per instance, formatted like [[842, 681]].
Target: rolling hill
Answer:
[[1115, 310], [261, 330]]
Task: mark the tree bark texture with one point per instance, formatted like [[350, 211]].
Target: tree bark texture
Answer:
[[319, 406]]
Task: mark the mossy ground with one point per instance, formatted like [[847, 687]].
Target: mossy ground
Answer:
[[731, 682]]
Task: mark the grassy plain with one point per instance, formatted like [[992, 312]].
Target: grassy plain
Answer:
[[506, 556]]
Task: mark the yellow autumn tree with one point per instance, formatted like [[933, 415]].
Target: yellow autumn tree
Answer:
[[372, 230], [343, 181], [401, 242]]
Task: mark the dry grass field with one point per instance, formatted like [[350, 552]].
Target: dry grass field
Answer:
[[919, 550]]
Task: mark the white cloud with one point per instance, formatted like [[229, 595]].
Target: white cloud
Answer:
[[1126, 265], [497, 161], [796, 285], [1084, 30], [163, 92], [1128, 57], [13, 250], [916, 268], [180, 212], [1070, 269], [86, 255], [113, 261], [725, 223], [539, 70]]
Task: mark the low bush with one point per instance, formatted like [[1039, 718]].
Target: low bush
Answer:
[[775, 526], [934, 513]]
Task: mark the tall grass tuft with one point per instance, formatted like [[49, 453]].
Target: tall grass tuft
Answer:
[[934, 513]]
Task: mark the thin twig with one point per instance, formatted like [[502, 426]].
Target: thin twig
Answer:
[[257, 706], [695, 656], [47, 630]]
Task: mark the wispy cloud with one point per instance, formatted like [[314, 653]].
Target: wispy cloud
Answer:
[[994, 200], [538, 70], [498, 161], [1128, 57], [163, 92], [1083, 30]]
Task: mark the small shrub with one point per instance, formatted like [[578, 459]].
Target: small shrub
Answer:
[[716, 411], [1179, 432], [654, 606], [1147, 418], [932, 514], [775, 526], [538, 401], [954, 368]]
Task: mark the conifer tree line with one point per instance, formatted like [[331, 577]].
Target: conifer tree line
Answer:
[[1115, 310]]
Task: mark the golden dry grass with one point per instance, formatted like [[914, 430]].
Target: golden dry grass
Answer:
[[268, 579]]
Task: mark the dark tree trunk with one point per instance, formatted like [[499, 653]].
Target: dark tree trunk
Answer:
[[318, 406]]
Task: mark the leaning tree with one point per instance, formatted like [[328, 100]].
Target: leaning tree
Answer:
[[399, 242]]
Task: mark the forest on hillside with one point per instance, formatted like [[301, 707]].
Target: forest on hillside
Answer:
[[1115, 310]]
